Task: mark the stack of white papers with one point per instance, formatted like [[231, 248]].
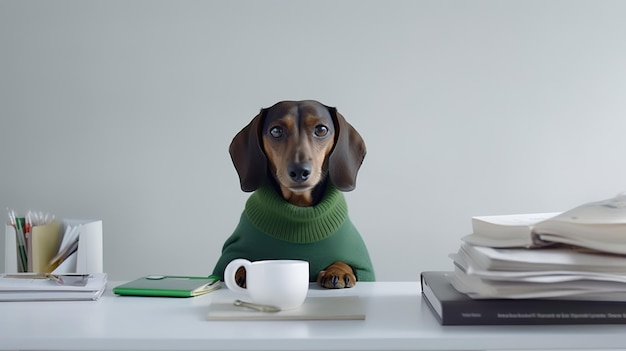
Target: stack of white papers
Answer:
[[48, 287], [485, 272]]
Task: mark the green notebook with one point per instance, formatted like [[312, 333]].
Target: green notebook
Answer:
[[168, 286]]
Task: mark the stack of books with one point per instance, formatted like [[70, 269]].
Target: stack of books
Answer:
[[545, 268], [52, 287]]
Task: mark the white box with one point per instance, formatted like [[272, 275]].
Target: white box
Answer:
[[87, 259]]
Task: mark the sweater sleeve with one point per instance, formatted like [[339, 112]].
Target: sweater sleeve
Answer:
[[229, 252]]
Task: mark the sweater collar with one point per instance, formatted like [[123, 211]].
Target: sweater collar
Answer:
[[274, 216]]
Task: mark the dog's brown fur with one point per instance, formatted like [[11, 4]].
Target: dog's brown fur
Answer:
[[301, 145]]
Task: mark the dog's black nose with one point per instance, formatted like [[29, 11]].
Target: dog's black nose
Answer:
[[299, 172]]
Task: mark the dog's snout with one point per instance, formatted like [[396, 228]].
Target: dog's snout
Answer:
[[299, 172]]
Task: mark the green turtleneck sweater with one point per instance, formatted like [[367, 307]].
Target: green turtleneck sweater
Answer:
[[272, 228]]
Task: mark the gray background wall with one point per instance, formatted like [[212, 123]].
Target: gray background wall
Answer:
[[123, 111]]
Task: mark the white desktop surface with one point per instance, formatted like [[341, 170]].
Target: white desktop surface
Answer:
[[396, 319]]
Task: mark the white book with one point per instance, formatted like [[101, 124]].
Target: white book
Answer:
[[554, 274], [506, 230], [11, 296], [31, 287], [599, 225], [480, 288], [562, 258]]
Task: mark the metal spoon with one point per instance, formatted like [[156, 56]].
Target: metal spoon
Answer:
[[256, 306]]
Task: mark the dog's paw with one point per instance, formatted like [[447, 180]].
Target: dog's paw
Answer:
[[337, 276]]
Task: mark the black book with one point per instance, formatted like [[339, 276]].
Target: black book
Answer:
[[454, 308]]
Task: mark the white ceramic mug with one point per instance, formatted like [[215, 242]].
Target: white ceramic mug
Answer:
[[280, 283]]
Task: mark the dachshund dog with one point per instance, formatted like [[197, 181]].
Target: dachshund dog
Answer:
[[297, 147]]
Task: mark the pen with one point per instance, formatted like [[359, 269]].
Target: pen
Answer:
[[11, 217], [29, 223], [21, 242]]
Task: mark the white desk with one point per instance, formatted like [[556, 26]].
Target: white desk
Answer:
[[397, 319]]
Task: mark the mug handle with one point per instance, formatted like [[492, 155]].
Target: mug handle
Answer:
[[229, 274]]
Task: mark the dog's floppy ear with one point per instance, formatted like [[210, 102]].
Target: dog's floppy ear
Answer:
[[347, 154], [248, 156]]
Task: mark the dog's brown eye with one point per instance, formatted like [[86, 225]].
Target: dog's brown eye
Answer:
[[321, 130], [276, 132]]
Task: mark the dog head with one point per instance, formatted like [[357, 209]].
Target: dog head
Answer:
[[298, 144]]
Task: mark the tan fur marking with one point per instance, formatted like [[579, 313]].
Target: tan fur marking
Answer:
[[298, 145]]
